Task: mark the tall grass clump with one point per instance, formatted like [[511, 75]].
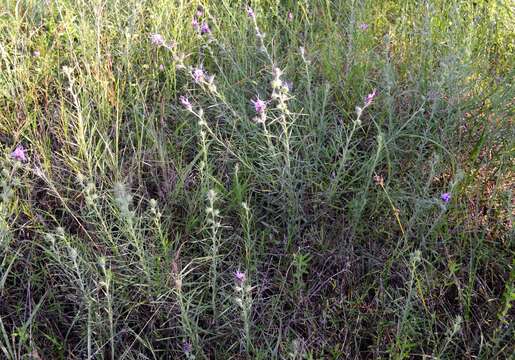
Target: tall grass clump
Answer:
[[262, 180]]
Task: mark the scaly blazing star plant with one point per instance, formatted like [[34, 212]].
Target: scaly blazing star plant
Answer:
[[157, 39], [186, 347], [250, 12], [185, 102], [240, 277], [259, 105], [198, 75], [370, 97], [19, 153], [204, 28], [194, 24]]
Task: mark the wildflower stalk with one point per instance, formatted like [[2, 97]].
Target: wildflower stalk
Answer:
[[108, 276], [249, 244], [356, 124], [395, 209], [213, 216], [81, 128], [244, 301]]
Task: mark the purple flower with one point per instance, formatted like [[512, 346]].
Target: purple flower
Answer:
[[259, 105], [363, 26], [161, 67], [288, 85], [290, 16], [19, 153], [240, 277], [195, 25], [36, 53], [199, 13], [446, 197], [157, 39], [186, 347], [370, 97], [185, 102], [198, 75], [204, 28], [250, 12]]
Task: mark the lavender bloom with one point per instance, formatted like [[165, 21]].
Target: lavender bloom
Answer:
[[198, 75], [370, 97], [250, 12], [199, 13], [210, 78], [36, 53], [259, 105], [290, 16], [185, 102], [363, 26], [157, 39], [204, 28], [240, 277], [446, 197], [288, 86], [186, 347], [19, 153], [195, 24], [161, 67]]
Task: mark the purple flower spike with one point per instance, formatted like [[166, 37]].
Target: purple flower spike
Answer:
[[195, 24], [19, 153], [240, 277], [370, 97], [290, 16], [250, 12], [157, 39], [204, 28], [198, 75], [185, 102], [186, 347], [363, 26], [259, 105], [446, 197]]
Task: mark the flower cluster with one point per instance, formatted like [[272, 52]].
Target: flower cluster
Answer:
[[198, 24], [186, 102], [240, 277], [159, 41], [370, 97], [19, 154]]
